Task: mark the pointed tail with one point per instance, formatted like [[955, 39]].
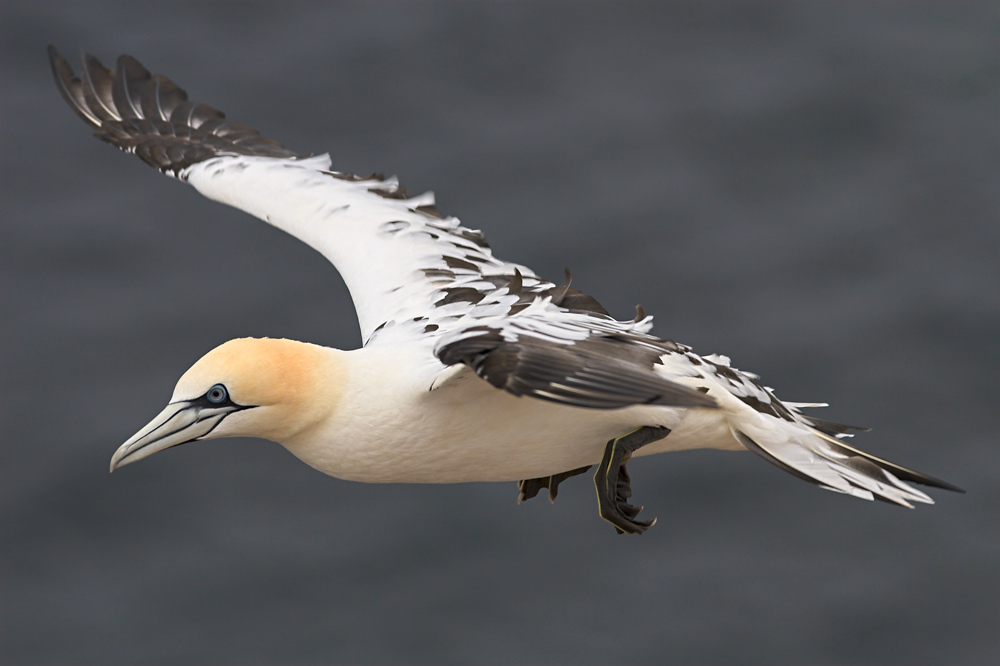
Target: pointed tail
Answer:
[[822, 459]]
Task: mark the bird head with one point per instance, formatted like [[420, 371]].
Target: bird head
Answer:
[[250, 387]]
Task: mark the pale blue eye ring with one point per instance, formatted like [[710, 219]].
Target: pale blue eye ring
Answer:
[[217, 394]]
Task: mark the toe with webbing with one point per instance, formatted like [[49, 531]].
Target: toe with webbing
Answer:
[[612, 481], [528, 488]]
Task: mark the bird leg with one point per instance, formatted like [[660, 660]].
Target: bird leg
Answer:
[[528, 488], [613, 484]]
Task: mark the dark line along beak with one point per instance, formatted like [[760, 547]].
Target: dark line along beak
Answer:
[[181, 422]]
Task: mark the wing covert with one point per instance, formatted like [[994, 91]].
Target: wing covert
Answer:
[[571, 358]]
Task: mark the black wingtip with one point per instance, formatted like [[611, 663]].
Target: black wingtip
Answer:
[[151, 117], [69, 86]]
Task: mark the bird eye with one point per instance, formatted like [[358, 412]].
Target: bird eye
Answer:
[[217, 394]]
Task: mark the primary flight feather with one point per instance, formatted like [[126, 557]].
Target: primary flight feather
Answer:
[[472, 369]]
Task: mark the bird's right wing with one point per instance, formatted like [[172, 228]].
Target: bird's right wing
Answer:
[[409, 268]]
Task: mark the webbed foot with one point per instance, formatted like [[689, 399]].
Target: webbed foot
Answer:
[[613, 484], [528, 488]]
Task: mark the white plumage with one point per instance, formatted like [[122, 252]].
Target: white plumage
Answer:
[[473, 368]]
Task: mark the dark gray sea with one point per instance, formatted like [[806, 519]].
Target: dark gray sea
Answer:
[[810, 188]]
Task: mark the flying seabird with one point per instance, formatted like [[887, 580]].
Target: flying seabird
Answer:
[[472, 368]]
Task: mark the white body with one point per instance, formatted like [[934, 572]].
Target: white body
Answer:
[[473, 368], [391, 428]]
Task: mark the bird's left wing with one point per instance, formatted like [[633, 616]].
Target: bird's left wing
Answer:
[[406, 265], [573, 357]]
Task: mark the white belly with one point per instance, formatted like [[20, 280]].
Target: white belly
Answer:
[[468, 430]]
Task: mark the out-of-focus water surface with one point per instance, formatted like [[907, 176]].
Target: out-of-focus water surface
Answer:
[[809, 188]]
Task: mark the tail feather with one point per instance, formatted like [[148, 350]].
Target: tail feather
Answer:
[[828, 427], [832, 427], [820, 458], [897, 472]]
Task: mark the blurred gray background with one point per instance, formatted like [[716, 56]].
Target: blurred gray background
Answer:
[[809, 188]]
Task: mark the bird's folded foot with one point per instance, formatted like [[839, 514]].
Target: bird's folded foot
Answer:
[[528, 488], [613, 484]]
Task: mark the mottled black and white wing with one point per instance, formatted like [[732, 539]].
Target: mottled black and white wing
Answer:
[[411, 270], [570, 357]]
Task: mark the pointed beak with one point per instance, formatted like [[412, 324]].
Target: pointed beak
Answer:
[[181, 422]]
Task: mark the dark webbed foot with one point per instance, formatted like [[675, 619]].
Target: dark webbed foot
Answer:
[[613, 484], [528, 488]]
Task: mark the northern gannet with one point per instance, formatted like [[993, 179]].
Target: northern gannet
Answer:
[[472, 368]]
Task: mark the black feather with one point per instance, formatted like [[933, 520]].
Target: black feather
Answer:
[[152, 117], [599, 372]]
